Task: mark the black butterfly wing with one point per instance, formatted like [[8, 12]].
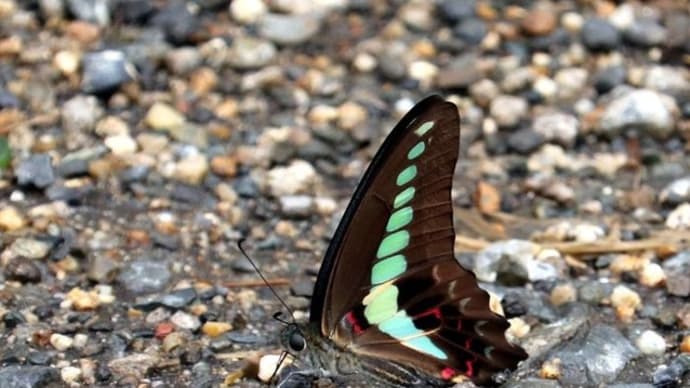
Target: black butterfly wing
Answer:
[[390, 286]]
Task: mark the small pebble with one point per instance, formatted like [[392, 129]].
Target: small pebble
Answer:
[[651, 343], [563, 293], [83, 300], [551, 369], [267, 367], [121, 145], [191, 169], [70, 374], [11, 219], [214, 329], [185, 321], [685, 344], [31, 248], [61, 342], [539, 22], [289, 29], [248, 11], [297, 178], [626, 302], [598, 34], [508, 110], [652, 275], [162, 116], [351, 115], [679, 218]]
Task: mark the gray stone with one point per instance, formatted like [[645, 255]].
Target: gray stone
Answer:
[[676, 192], [143, 276], [597, 358], [28, 376], [561, 128], [645, 33], [36, 171], [598, 34], [296, 205], [643, 109], [289, 29], [105, 71], [95, 11], [513, 261], [250, 53]]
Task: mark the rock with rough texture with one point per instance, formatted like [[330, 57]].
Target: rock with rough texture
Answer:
[[297, 178], [135, 364], [17, 376], [36, 171], [105, 71], [143, 276], [679, 218], [559, 127], [676, 192], [508, 110], [642, 109], [513, 261], [604, 352]]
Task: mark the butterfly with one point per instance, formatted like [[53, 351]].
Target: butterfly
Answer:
[[391, 306]]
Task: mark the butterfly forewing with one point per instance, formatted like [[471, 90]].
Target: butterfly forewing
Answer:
[[390, 286]]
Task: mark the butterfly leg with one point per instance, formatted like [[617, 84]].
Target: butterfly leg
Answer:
[[294, 378]]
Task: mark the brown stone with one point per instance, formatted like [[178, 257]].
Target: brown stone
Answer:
[[539, 22], [84, 32]]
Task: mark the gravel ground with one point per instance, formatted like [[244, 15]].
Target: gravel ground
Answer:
[[139, 140]]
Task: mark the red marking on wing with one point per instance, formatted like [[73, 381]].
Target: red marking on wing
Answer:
[[448, 373], [470, 368], [436, 312], [352, 320]]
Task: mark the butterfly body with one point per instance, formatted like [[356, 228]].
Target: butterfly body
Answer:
[[391, 303], [326, 360]]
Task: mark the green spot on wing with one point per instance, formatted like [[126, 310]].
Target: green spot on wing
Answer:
[[399, 219], [423, 344], [383, 306], [388, 269], [403, 197], [393, 243], [399, 326], [416, 150], [424, 128], [406, 175]]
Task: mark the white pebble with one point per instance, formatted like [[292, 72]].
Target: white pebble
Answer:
[[247, 11], [423, 71], [267, 367], [80, 340], [185, 321], [652, 275], [70, 374], [61, 342], [364, 62], [650, 342], [679, 218], [121, 144]]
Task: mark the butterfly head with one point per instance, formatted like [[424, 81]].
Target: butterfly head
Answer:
[[292, 339]]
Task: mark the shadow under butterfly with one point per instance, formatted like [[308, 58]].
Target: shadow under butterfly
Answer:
[[391, 306]]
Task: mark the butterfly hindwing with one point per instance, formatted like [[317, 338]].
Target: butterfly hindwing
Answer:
[[390, 286]]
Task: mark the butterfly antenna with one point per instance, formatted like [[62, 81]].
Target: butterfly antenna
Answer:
[[261, 275], [283, 355]]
